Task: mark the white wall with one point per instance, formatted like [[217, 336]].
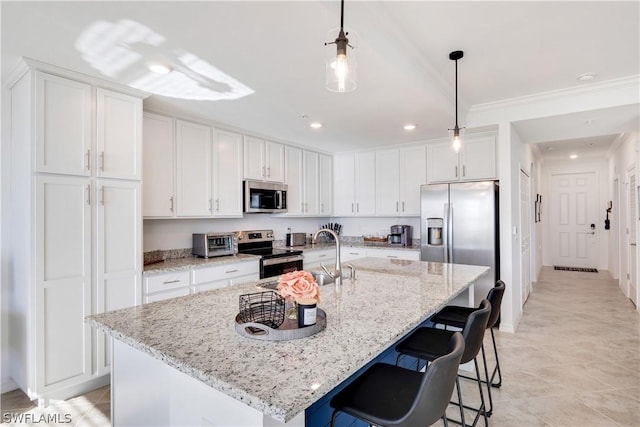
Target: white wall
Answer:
[[176, 233], [600, 167]]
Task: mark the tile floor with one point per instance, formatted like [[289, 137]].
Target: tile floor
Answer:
[[574, 361]]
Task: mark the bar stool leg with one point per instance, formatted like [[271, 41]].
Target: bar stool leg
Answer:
[[482, 408], [497, 368], [487, 382]]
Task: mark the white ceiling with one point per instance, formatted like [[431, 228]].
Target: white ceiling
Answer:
[[276, 49]]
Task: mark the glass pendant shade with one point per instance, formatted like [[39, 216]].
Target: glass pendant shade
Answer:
[[341, 62], [457, 138]]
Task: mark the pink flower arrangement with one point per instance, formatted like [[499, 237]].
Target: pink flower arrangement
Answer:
[[298, 285]]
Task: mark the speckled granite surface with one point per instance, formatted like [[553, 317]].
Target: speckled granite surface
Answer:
[[195, 334], [179, 264]]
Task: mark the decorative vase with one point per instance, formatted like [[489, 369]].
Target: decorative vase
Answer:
[[291, 310]]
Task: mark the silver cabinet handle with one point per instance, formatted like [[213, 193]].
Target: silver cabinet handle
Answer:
[[301, 207], [231, 271], [322, 256], [171, 203], [170, 281], [464, 170], [456, 171], [88, 164], [351, 207], [306, 207], [102, 195], [217, 205], [269, 172], [392, 256], [396, 206], [264, 174], [102, 161], [358, 207], [89, 194], [210, 205], [402, 206], [321, 207]]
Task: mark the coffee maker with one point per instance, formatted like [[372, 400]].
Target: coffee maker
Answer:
[[401, 235]]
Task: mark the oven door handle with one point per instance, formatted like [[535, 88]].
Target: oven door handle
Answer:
[[281, 260]]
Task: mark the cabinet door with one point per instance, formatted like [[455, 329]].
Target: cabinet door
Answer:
[[310, 181], [193, 148], [63, 125], [344, 188], [294, 180], [365, 166], [119, 135], [63, 281], [158, 167], [326, 185], [413, 174], [443, 163], [479, 158], [275, 161], [254, 159], [387, 182], [227, 171], [118, 254]]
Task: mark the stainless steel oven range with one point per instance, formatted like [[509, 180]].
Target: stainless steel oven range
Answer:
[[273, 261]]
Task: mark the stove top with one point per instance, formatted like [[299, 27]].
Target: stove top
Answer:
[[260, 242], [270, 252]]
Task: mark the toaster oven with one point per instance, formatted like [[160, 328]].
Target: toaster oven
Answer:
[[208, 245]]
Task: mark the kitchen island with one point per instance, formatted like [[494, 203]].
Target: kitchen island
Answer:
[[181, 362]]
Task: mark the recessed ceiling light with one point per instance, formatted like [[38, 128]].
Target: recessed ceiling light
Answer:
[[315, 125], [573, 156], [160, 68], [409, 126], [586, 77]]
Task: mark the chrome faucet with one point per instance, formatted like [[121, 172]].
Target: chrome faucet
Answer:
[[337, 271]]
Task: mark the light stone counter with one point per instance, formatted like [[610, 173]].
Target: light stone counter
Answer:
[[195, 334], [179, 264]]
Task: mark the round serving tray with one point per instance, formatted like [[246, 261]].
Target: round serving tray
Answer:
[[289, 329]]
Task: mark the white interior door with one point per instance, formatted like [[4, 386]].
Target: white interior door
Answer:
[[631, 237], [573, 218], [525, 235]]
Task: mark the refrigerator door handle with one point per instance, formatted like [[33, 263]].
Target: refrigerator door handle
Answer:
[[450, 236], [445, 232]]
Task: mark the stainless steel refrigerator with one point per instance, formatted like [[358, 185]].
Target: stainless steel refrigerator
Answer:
[[459, 224]]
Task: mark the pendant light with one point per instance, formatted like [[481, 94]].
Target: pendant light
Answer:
[[456, 134], [340, 69]]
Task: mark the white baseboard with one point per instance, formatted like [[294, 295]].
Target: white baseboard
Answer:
[[7, 385], [507, 327]]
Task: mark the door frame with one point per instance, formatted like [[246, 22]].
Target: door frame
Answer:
[[522, 226]]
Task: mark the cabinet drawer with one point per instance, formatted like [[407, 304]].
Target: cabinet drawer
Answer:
[[164, 282], [166, 295], [349, 254], [394, 254], [226, 271]]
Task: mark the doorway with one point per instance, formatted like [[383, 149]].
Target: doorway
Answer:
[[632, 212], [573, 220], [525, 233]]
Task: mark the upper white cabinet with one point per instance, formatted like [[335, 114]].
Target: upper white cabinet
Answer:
[[119, 132], [475, 161], [158, 166], [399, 175], [263, 160], [63, 125], [303, 181], [227, 173], [354, 184], [193, 169], [326, 184]]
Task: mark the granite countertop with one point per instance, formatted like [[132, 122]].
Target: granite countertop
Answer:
[[321, 246], [178, 264], [196, 335]]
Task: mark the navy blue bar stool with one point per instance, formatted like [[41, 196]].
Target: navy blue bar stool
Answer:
[[430, 343], [388, 395]]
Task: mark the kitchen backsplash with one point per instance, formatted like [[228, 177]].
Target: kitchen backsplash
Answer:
[[168, 234]]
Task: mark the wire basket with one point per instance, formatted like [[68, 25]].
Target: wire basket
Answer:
[[266, 308]]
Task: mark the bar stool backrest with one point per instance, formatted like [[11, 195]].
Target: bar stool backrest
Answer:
[[437, 386], [473, 331], [495, 298]]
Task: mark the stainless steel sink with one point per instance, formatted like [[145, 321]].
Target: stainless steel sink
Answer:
[[322, 278]]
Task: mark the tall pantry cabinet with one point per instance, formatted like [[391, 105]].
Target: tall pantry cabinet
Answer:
[[76, 232]]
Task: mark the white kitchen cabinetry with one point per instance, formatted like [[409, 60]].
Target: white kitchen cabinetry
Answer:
[[119, 132], [227, 174], [354, 184], [413, 174], [314, 259], [326, 184], [159, 287], [118, 249], [302, 178], [205, 279], [193, 169], [158, 166], [263, 160], [393, 254], [349, 253], [75, 236], [475, 161]]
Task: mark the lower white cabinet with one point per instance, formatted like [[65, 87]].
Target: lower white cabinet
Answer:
[[314, 259], [348, 253], [167, 285], [393, 254]]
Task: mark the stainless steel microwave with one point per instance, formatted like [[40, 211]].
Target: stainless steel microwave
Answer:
[[264, 197], [214, 244]]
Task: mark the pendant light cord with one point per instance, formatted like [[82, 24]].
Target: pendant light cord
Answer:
[[456, 94], [342, 15]]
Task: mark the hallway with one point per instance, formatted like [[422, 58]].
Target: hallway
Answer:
[[575, 358], [567, 365]]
